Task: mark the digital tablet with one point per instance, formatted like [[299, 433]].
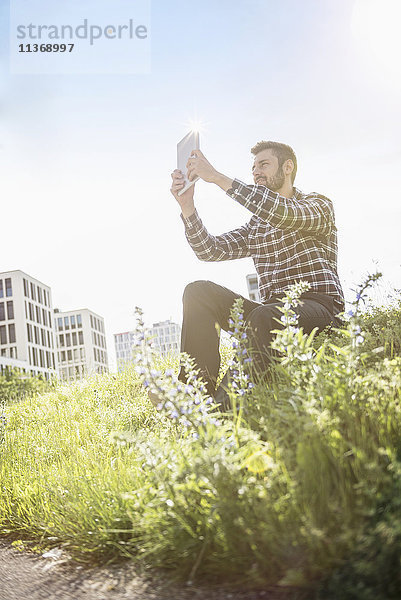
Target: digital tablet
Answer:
[[184, 148]]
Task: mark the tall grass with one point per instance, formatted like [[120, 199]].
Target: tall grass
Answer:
[[298, 485]]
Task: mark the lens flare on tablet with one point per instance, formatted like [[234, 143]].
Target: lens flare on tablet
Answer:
[[196, 125]]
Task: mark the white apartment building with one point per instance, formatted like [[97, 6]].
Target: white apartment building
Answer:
[[81, 343], [27, 340], [253, 287], [166, 337], [123, 343]]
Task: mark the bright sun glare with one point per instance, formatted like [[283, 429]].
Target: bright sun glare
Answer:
[[196, 125], [376, 26]]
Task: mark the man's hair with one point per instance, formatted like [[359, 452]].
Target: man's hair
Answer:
[[281, 151]]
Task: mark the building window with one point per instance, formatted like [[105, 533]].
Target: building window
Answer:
[[61, 340], [44, 315], [60, 323], [79, 320], [29, 330], [10, 309], [26, 290], [74, 338], [67, 339], [3, 335], [72, 321], [43, 334], [80, 337], [31, 312], [37, 340], [40, 295], [11, 333], [66, 323], [9, 288], [69, 354], [1, 289], [2, 312], [33, 295], [38, 319]]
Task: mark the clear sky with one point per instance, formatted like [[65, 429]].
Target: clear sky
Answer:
[[85, 160]]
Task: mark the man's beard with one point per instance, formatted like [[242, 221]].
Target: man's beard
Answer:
[[275, 182]]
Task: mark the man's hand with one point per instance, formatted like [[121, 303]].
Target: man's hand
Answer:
[[199, 166], [186, 200]]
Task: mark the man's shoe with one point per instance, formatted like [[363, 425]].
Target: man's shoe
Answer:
[[154, 398]]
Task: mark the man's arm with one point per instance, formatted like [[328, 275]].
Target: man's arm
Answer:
[[210, 248], [207, 247], [313, 213]]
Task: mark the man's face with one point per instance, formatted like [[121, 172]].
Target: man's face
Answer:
[[266, 171]]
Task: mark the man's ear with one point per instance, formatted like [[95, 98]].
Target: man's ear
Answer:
[[288, 167]]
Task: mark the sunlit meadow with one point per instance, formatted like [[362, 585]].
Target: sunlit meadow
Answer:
[[298, 485]]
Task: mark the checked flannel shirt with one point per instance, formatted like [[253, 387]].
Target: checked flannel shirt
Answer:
[[289, 239]]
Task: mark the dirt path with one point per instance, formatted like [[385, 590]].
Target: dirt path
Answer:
[[26, 576]]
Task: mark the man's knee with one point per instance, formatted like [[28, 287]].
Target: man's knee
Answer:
[[194, 290], [261, 320]]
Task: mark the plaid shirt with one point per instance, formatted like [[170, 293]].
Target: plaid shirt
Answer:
[[289, 239]]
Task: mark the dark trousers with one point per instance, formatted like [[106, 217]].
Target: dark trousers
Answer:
[[207, 308]]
